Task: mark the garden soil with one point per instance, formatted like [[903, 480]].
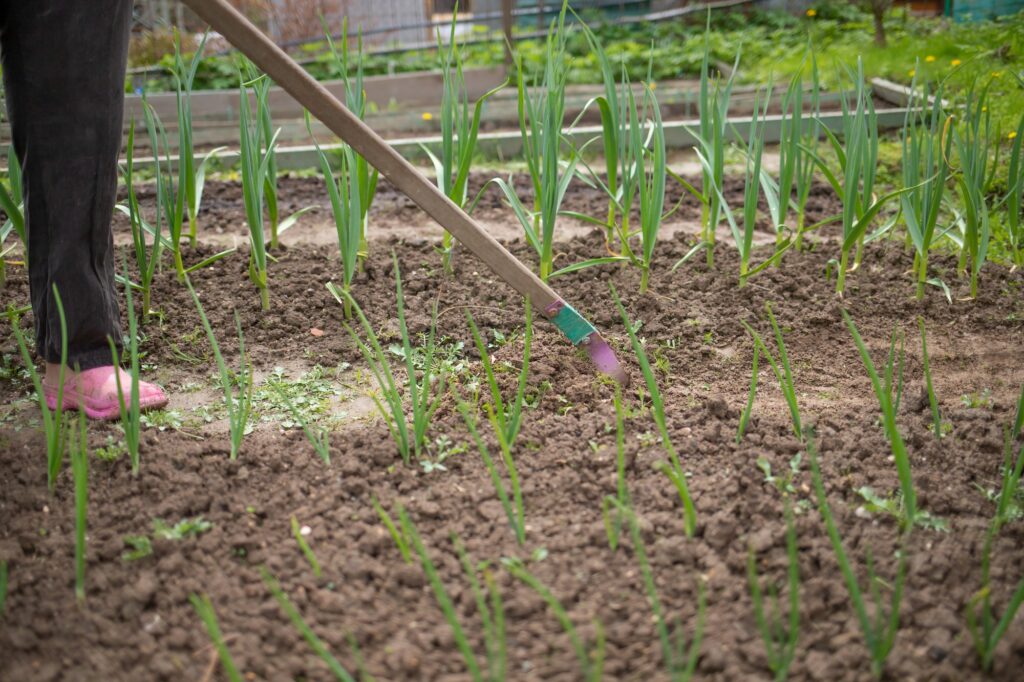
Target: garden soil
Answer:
[[370, 606]]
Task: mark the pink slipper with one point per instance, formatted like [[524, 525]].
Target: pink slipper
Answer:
[[95, 391]]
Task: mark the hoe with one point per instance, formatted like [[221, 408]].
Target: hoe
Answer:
[[284, 71]]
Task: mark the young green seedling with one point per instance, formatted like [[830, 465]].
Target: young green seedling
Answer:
[[80, 471], [780, 635], [256, 155], [591, 661], [745, 417], [673, 469], [239, 406], [13, 205], [131, 412], [508, 415], [514, 506], [932, 400], [53, 420], [425, 393], [613, 526], [147, 256], [307, 551], [800, 139], [315, 643], [318, 437], [973, 142], [203, 607], [3, 587], [783, 372]]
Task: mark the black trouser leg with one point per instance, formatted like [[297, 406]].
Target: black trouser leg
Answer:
[[63, 66]]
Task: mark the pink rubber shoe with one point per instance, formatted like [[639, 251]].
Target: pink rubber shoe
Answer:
[[95, 392]]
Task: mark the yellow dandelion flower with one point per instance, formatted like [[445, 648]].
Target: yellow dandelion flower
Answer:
[[812, 12], [911, 73], [1012, 135], [427, 116], [997, 74], [984, 109], [930, 58], [955, 62]]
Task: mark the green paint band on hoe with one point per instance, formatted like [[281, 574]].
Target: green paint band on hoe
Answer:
[[283, 70]]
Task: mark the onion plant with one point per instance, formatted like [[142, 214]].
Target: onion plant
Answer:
[[507, 415], [191, 176], [754, 373], [973, 146], [315, 643], [80, 472], [591, 661], [932, 400], [147, 255], [985, 630], [13, 205], [651, 181], [613, 527], [711, 139], [780, 635], [781, 368], [880, 630], [425, 393], [800, 133], [673, 469], [307, 551], [513, 505], [203, 607], [487, 600], [256, 159], [355, 99], [459, 129], [237, 402], [131, 413], [680, 660], [889, 405], [926, 142], [53, 420], [1014, 196]]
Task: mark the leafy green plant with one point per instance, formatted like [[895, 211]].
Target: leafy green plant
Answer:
[[507, 415], [680, 661], [673, 469], [591, 661], [13, 205], [985, 630], [141, 546], [514, 506], [147, 256], [307, 551], [932, 400], [131, 412], [191, 176], [651, 181], [780, 635], [972, 142], [889, 405], [203, 607], [80, 471], [315, 643], [53, 421], [318, 437], [239, 406], [424, 393], [492, 614], [799, 139], [894, 507], [781, 368], [256, 156], [1013, 198], [459, 130], [880, 631], [926, 140]]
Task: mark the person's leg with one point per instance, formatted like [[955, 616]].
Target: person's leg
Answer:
[[64, 64]]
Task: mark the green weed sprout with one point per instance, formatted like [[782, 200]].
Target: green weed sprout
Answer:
[[307, 551], [780, 636], [674, 469], [591, 661], [781, 368], [879, 632], [13, 205], [514, 506], [508, 415], [191, 177], [318, 437], [680, 660], [987, 633], [131, 412], [926, 142], [745, 417], [889, 406], [932, 401], [53, 421], [613, 528], [80, 471], [972, 143], [424, 393], [355, 99], [492, 615], [203, 607], [459, 129], [239, 406], [315, 643]]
